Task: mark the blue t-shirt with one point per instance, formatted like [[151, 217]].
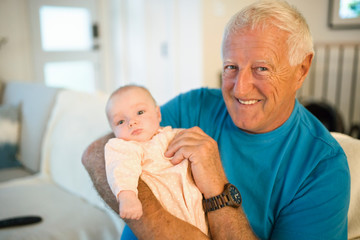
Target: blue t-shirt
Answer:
[[294, 181]]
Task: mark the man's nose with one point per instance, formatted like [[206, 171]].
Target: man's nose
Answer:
[[243, 84]]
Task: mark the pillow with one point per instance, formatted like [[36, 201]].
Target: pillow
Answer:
[[9, 137], [76, 121], [351, 148]]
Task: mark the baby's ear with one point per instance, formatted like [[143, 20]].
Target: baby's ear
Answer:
[[158, 113]]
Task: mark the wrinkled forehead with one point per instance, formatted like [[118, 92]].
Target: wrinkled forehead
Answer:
[[271, 38]]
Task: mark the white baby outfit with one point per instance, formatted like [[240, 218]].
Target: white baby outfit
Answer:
[[172, 185]]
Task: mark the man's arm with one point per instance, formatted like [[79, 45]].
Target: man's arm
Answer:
[[94, 162], [230, 223], [155, 217], [202, 152]]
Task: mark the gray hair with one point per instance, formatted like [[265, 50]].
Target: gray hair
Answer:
[[280, 14]]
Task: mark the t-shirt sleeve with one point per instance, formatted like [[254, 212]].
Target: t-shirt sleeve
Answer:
[[181, 112], [319, 209], [200, 107], [123, 165]]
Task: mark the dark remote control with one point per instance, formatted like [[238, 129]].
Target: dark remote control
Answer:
[[19, 221]]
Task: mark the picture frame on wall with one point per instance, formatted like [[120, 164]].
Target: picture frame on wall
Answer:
[[344, 14]]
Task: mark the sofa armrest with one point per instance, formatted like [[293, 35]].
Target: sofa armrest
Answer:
[[36, 102], [351, 147]]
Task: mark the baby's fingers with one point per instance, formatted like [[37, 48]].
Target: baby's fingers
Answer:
[[131, 214]]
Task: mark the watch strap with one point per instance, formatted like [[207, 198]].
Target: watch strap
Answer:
[[215, 203]]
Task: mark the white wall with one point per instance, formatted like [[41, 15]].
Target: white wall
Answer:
[[15, 55], [217, 12], [158, 45]]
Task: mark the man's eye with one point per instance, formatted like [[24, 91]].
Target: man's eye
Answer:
[[229, 67], [140, 112], [262, 69]]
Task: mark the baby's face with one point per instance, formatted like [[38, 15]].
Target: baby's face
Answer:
[[133, 115]]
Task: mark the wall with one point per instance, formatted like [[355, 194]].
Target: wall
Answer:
[[15, 55], [146, 42], [158, 45], [217, 12], [15, 58]]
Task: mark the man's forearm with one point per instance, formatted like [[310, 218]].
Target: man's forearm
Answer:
[[93, 160], [230, 223], [157, 223]]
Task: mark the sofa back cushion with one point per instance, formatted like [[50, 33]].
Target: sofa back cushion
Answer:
[[351, 147], [36, 101], [77, 120], [9, 137]]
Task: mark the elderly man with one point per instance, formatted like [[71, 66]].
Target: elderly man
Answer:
[[292, 175]]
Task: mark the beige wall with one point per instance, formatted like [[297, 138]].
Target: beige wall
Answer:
[[216, 13], [15, 54], [16, 58]]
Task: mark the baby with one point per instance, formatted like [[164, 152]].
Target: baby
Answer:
[[138, 151]]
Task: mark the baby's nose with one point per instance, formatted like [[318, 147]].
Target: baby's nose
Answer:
[[132, 123]]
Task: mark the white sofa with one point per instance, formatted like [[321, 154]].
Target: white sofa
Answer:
[[57, 126], [351, 147]]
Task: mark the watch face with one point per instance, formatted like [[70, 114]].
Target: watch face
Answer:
[[235, 194]]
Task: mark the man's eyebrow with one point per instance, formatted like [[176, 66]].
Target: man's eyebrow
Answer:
[[265, 62], [262, 61]]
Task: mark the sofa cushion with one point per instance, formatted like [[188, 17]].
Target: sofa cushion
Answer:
[[7, 174], [36, 102], [9, 137], [64, 216], [76, 121], [351, 147]]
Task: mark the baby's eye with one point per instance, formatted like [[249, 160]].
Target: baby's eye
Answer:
[[140, 112], [121, 122]]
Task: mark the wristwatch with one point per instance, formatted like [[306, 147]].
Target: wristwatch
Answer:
[[229, 197]]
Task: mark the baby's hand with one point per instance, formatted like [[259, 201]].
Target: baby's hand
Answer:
[[129, 205]]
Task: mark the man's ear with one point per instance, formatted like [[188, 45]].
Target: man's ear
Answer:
[[304, 69]]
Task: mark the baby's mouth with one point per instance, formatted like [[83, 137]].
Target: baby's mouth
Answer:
[[136, 132]]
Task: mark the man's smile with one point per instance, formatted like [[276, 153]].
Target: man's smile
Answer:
[[248, 102]]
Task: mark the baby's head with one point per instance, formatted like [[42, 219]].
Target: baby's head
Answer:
[[133, 114]]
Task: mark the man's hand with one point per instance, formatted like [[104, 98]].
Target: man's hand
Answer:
[[129, 205], [202, 152]]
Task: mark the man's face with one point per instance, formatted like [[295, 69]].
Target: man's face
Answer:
[[259, 85]]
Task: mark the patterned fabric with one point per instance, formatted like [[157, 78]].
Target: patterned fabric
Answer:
[[172, 185], [9, 136]]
